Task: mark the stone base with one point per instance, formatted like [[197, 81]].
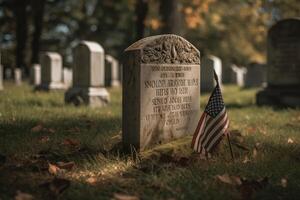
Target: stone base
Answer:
[[92, 96], [51, 86], [282, 97]]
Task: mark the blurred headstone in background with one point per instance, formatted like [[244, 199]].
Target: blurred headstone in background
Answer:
[[283, 65], [112, 71], [35, 74], [209, 64], [256, 75], [239, 74], [51, 71], [67, 77], [18, 76], [88, 76]]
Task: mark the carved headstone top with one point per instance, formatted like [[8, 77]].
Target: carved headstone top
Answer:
[[168, 49], [91, 46]]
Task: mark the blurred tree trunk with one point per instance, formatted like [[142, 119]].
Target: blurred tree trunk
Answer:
[[171, 20], [21, 32], [141, 10], [38, 15]]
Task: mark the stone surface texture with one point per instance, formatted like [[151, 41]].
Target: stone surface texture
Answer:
[[283, 65], [161, 84], [88, 76], [67, 77]]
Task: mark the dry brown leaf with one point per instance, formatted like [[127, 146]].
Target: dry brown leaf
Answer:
[[91, 180], [23, 196], [66, 165], [118, 196], [71, 142], [37, 128], [53, 169], [44, 139], [283, 182], [246, 160], [290, 141], [232, 180]]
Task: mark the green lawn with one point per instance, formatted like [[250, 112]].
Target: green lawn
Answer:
[[38, 129]]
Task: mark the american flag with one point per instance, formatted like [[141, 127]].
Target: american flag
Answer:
[[213, 123]]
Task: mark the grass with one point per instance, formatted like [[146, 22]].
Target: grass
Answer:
[[38, 128]]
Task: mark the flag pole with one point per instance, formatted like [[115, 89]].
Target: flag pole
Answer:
[[229, 143]]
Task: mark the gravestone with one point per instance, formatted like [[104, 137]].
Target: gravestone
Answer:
[[283, 65], [256, 75], [112, 71], [8, 73], [161, 84], [67, 77], [35, 74], [18, 76], [239, 75], [51, 72], [1, 77], [88, 76], [209, 64]]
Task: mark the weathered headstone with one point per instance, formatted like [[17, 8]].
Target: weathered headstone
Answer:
[[18, 76], [112, 71], [88, 76], [283, 65], [209, 64], [35, 74], [161, 84], [256, 75], [239, 75], [228, 76], [51, 71], [67, 77]]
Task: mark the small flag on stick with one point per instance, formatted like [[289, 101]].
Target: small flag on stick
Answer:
[[213, 123]]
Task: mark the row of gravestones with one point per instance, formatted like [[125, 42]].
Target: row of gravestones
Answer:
[[58, 77], [161, 82], [53, 76]]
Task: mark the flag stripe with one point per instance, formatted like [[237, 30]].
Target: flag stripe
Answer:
[[200, 123], [218, 127], [201, 132], [208, 126], [218, 136]]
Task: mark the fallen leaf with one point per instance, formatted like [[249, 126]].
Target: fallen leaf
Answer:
[[37, 128], [44, 139], [232, 180], [71, 142], [91, 180], [23, 196], [66, 165], [290, 141], [56, 186], [283, 182], [246, 160], [53, 169], [118, 196]]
